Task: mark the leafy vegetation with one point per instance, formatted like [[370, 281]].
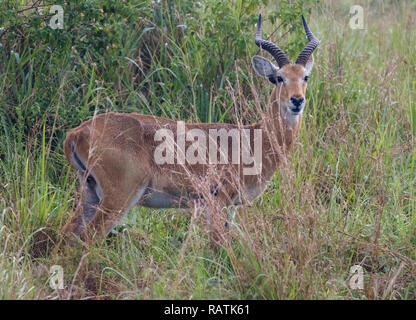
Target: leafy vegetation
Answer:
[[346, 197]]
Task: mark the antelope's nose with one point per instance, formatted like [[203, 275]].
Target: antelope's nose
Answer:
[[297, 102]]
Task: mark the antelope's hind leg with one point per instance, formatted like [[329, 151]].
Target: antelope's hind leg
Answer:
[[103, 201], [87, 207], [110, 212]]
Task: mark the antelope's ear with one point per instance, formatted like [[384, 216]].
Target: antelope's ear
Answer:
[[264, 68], [309, 65]]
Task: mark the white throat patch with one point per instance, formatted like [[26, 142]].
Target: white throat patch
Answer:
[[289, 116]]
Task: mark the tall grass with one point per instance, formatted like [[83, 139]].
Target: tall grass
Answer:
[[346, 198]]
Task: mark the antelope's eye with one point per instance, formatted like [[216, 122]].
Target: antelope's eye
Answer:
[[279, 79], [306, 78]]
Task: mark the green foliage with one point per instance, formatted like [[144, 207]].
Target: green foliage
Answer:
[[287, 17], [348, 196], [172, 58]]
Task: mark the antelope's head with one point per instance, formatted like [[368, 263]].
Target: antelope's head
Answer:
[[290, 80]]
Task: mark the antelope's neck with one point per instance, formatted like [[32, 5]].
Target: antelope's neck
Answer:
[[280, 132]]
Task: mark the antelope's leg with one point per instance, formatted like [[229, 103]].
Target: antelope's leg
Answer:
[[110, 212], [106, 195], [218, 232], [217, 217], [230, 217], [86, 208]]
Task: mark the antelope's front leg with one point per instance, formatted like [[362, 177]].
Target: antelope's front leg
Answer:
[[217, 216]]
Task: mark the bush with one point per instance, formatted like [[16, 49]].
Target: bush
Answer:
[[167, 58]]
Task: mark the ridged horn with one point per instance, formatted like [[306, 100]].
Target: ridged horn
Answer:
[[270, 47], [310, 47]]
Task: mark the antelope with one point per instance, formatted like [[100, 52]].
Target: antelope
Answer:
[[114, 154]]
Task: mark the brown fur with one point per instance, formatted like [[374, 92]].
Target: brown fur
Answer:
[[117, 149]]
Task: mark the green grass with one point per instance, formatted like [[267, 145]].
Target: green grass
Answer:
[[346, 197]]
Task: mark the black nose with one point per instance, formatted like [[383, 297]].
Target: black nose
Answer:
[[297, 101]]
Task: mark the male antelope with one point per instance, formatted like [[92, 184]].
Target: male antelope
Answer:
[[113, 154]]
